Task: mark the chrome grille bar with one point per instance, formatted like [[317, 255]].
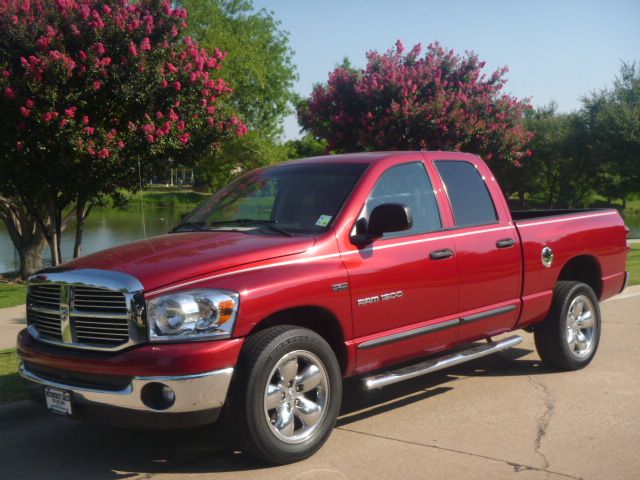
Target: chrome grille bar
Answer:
[[87, 309]]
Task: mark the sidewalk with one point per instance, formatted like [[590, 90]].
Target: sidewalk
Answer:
[[12, 320]]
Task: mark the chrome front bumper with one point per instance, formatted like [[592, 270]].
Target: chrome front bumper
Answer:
[[193, 393]]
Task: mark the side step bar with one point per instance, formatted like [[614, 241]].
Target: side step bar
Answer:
[[435, 364]]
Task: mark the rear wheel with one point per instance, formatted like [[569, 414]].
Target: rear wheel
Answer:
[[568, 338], [285, 400]]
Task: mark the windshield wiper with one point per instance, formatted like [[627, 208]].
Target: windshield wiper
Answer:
[[269, 224], [189, 227]]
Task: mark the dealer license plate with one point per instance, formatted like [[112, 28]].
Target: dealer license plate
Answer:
[[58, 401]]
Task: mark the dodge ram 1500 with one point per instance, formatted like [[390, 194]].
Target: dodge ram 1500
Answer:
[[298, 275]]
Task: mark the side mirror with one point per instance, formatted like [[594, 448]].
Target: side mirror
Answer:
[[385, 218]]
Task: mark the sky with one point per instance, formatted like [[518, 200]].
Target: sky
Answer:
[[555, 50]]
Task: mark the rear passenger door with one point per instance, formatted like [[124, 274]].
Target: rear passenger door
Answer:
[[487, 248]]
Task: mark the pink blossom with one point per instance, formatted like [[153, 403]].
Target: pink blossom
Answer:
[[133, 49], [173, 116], [25, 112], [150, 138], [120, 144], [99, 49], [211, 109], [181, 125], [145, 44], [63, 122], [89, 130], [29, 103], [8, 91], [104, 153], [177, 86], [164, 84], [172, 68], [70, 112], [85, 119], [47, 117], [82, 55], [97, 85], [6, 73], [112, 134], [43, 43], [159, 115], [184, 138]]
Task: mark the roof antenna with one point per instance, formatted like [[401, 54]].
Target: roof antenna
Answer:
[[144, 227]]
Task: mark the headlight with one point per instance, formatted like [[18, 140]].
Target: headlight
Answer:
[[192, 314]]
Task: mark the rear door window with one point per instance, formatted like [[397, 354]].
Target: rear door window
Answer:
[[469, 196]]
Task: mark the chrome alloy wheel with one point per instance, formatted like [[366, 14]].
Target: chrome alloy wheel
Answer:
[[296, 396], [581, 326]]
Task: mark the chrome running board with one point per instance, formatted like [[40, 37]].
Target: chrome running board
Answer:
[[435, 364]]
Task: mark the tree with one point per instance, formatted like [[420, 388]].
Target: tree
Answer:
[[612, 120], [94, 93], [404, 101], [561, 171], [261, 71]]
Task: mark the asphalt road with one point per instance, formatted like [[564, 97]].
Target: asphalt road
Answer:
[[501, 417]]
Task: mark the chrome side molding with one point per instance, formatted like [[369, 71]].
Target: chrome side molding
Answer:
[[435, 364]]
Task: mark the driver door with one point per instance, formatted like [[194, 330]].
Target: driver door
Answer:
[[404, 284]]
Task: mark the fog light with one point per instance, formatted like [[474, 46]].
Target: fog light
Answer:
[[157, 396], [168, 395]]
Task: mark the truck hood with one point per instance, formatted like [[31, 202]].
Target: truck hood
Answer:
[[167, 259]]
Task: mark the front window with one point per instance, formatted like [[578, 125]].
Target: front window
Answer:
[[289, 199]]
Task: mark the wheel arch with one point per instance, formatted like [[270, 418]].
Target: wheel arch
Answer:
[[317, 319], [585, 269]]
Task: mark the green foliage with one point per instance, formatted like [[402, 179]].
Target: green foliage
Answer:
[[11, 386], [261, 72], [237, 157], [259, 67], [307, 146], [12, 294]]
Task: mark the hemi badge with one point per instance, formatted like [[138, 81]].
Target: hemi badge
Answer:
[[339, 287]]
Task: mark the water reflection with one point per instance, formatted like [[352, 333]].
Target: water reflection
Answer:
[[105, 227]]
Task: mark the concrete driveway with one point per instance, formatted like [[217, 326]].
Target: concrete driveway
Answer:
[[501, 417]]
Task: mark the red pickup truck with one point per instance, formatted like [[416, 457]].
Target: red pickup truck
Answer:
[[298, 275]]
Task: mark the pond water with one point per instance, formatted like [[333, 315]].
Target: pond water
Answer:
[[107, 227]]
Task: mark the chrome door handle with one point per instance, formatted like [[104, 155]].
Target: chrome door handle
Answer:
[[441, 254]]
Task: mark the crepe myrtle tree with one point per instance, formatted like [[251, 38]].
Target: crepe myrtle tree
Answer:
[[93, 94], [402, 100]]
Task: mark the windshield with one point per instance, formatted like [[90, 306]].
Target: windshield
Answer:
[[303, 198]]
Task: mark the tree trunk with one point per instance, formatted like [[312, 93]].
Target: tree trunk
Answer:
[[82, 211], [30, 258], [624, 203]]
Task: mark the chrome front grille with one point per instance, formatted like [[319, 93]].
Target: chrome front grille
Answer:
[[100, 314]]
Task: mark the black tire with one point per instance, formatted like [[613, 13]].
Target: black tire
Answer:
[[557, 341], [247, 401]]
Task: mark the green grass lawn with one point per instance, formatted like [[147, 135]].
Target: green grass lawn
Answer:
[[12, 294], [11, 387], [633, 264]]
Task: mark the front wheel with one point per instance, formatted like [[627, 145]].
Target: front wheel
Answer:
[[285, 399], [569, 336]]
